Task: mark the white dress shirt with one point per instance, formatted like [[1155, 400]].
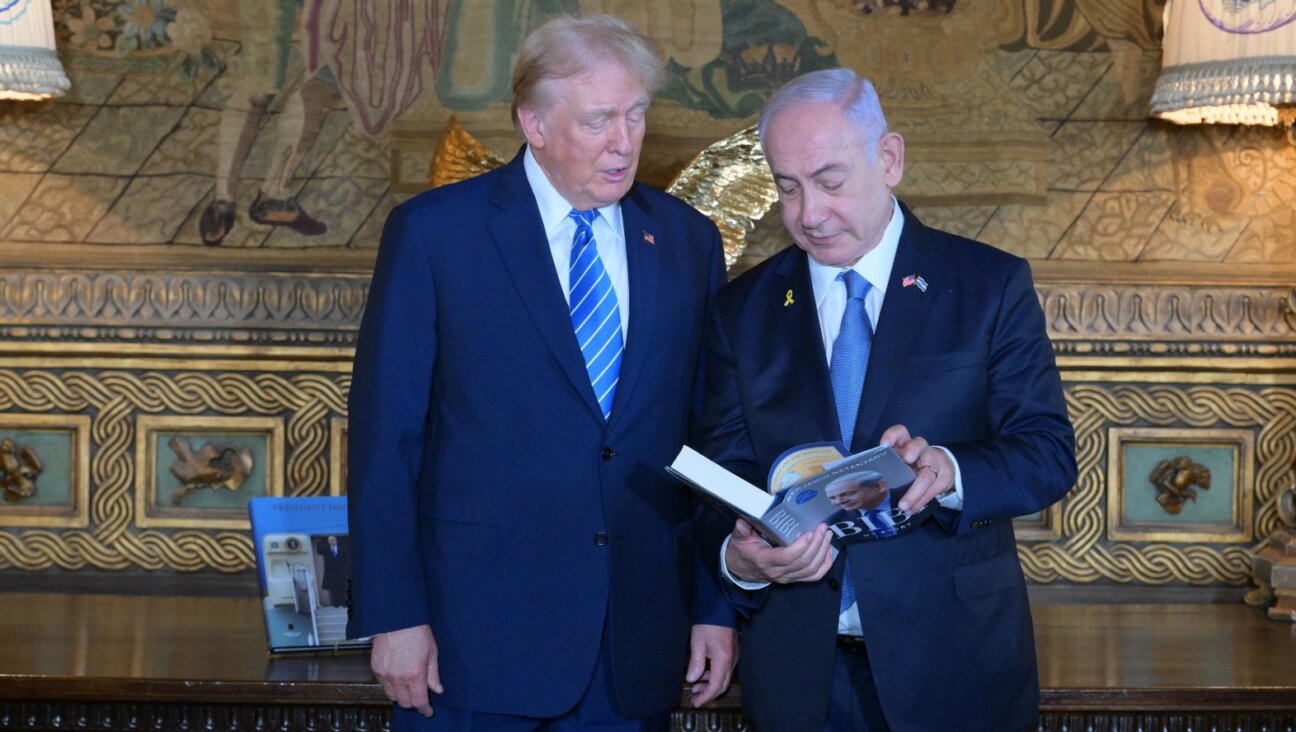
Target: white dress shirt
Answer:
[[560, 229]]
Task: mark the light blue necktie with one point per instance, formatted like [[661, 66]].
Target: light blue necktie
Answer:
[[594, 312], [850, 358]]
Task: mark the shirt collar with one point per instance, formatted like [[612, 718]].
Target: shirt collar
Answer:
[[553, 207], [874, 266]]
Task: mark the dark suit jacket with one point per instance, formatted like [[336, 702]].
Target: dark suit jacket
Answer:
[[488, 497], [967, 365]]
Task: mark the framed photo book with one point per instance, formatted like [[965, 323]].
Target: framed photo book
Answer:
[[304, 564]]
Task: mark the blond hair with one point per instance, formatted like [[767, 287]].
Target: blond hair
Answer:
[[567, 46]]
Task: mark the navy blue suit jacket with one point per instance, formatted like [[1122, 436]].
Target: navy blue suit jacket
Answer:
[[488, 497], [966, 364]]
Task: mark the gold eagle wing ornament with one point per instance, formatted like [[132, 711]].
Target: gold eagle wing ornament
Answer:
[[727, 181], [459, 156]]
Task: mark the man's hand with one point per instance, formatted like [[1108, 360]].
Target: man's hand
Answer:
[[713, 651], [748, 557], [405, 661], [935, 471]]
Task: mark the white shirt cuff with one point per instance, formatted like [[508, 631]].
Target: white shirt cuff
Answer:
[[744, 584], [953, 499]]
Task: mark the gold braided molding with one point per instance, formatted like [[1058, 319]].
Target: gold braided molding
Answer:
[[114, 399], [1082, 554], [310, 404]]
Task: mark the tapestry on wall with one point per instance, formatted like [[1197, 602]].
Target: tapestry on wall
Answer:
[[285, 124]]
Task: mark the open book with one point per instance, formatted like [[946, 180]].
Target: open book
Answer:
[[858, 496]]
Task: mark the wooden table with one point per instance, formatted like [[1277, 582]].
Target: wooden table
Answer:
[[1165, 667], [193, 663]]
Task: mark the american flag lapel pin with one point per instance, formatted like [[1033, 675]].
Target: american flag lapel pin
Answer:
[[914, 280], [649, 238]]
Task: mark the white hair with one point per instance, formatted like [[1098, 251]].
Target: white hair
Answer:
[[866, 478], [842, 86]]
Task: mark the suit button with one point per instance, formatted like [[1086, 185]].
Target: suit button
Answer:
[[601, 538], [832, 584], [608, 453]]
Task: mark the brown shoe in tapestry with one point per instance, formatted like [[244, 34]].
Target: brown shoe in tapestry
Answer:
[[216, 221], [284, 212]]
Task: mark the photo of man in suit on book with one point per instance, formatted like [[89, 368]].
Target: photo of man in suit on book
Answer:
[[863, 499], [335, 556]]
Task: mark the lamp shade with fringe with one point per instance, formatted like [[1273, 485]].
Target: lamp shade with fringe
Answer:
[[29, 65], [1228, 62]]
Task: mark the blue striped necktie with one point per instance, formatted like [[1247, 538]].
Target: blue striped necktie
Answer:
[[594, 312], [849, 364]]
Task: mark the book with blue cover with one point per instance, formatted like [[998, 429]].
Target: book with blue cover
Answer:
[[857, 496], [304, 564]]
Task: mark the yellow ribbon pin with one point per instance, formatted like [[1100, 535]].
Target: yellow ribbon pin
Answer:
[[789, 299]]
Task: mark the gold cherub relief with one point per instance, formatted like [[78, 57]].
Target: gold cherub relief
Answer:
[[210, 467], [1175, 479], [19, 467]]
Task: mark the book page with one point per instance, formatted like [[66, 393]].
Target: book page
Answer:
[[695, 469]]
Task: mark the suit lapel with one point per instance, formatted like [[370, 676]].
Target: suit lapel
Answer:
[[645, 248], [793, 302], [519, 235], [903, 312]]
